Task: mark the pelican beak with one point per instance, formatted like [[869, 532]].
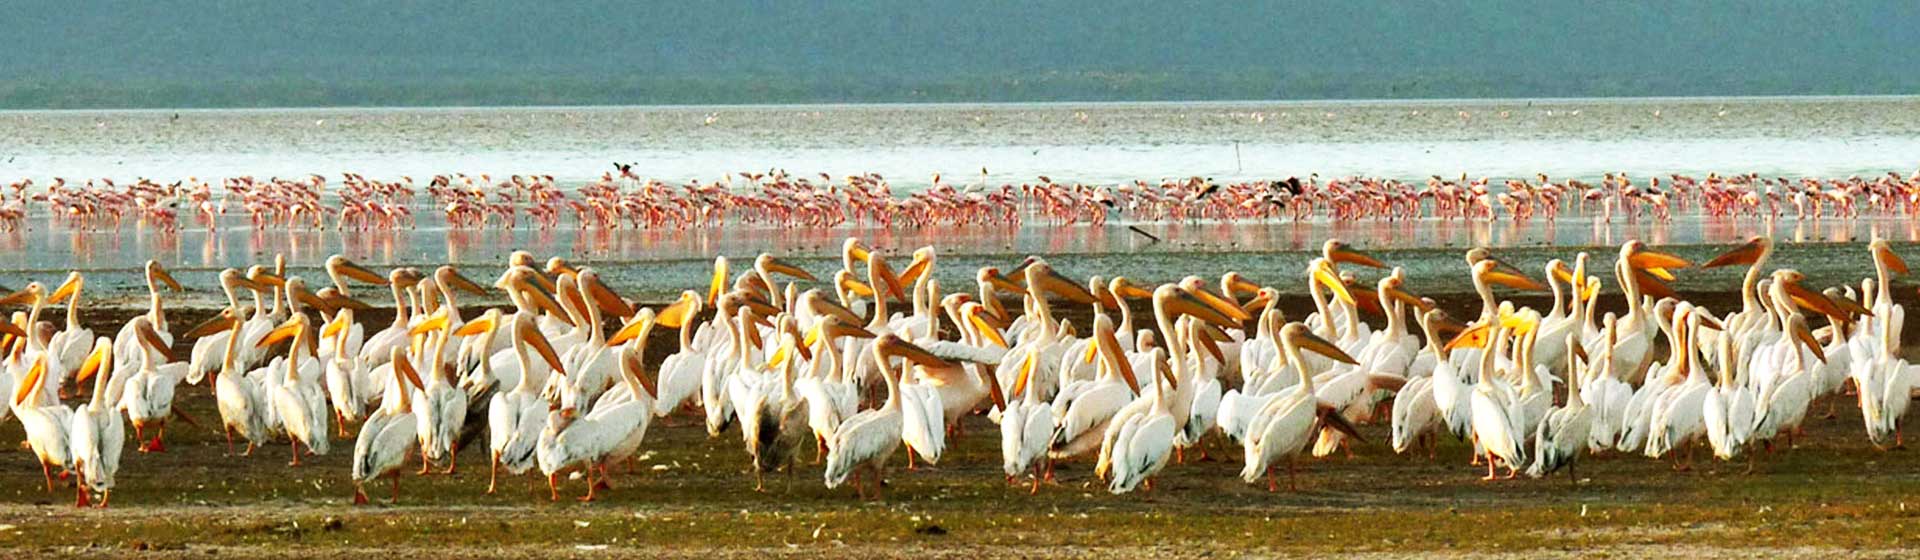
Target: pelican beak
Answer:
[[289, 329], [1562, 273], [1474, 336], [775, 265], [1208, 337], [267, 279], [922, 261], [1652, 286], [1109, 347], [987, 330], [1409, 299], [559, 267], [914, 353], [1221, 305], [1166, 372], [856, 287], [635, 363], [1325, 276], [828, 308], [1124, 289], [1002, 282], [102, 354], [338, 301], [638, 328], [1240, 285], [1885, 256], [404, 369], [9, 329], [30, 381], [1309, 341], [1506, 275], [433, 322], [1853, 308], [221, 322], [353, 270], [608, 301], [719, 283], [1579, 351], [167, 278], [1746, 253], [485, 324], [993, 388], [152, 339], [857, 251], [533, 339], [1647, 258], [16, 298], [1026, 373], [1185, 303], [1059, 285], [541, 299], [1258, 302], [1806, 338], [1813, 301], [1343, 253], [886, 276], [67, 289], [1105, 297], [451, 276], [677, 315]]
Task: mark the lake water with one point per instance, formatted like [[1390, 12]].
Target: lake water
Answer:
[[1095, 143]]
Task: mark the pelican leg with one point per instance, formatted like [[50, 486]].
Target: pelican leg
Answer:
[[590, 487], [229, 430], [295, 442], [47, 471], [453, 460], [396, 488], [553, 486], [1293, 479], [340, 422], [425, 465], [140, 435], [157, 445], [493, 473], [1273, 484], [80, 491], [359, 495], [104, 496], [819, 449]]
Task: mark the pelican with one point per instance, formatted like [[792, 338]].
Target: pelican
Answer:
[[1728, 409], [1288, 420], [300, 402], [516, 417], [1494, 429], [379, 346], [442, 412], [210, 337], [680, 373], [572, 442], [1565, 430], [97, 433], [70, 346], [350, 385], [1143, 442], [863, 443], [1026, 427], [242, 401], [47, 423], [772, 424], [127, 344], [388, 436], [147, 396], [831, 395]]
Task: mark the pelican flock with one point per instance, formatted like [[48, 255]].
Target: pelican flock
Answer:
[[869, 368]]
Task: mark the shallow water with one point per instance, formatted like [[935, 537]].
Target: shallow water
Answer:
[[907, 143]]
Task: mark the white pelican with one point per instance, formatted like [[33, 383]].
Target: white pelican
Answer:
[[1288, 420], [47, 424], [70, 345], [301, 403], [388, 436], [514, 417], [210, 337], [127, 345], [350, 385], [1492, 425], [680, 373], [1143, 442], [1728, 410], [572, 442], [97, 433], [442, 410], [1565, 430], [242, 402], [147, 394], [773, 424], [863, 443], [830, 394], [379, 346]]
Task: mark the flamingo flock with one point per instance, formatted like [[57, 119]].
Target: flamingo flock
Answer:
[[623, 199], [869, 362]]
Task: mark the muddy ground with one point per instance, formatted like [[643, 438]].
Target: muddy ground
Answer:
[[691, 496]]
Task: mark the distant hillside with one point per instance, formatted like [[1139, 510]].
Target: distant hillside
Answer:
[[167, 53]]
